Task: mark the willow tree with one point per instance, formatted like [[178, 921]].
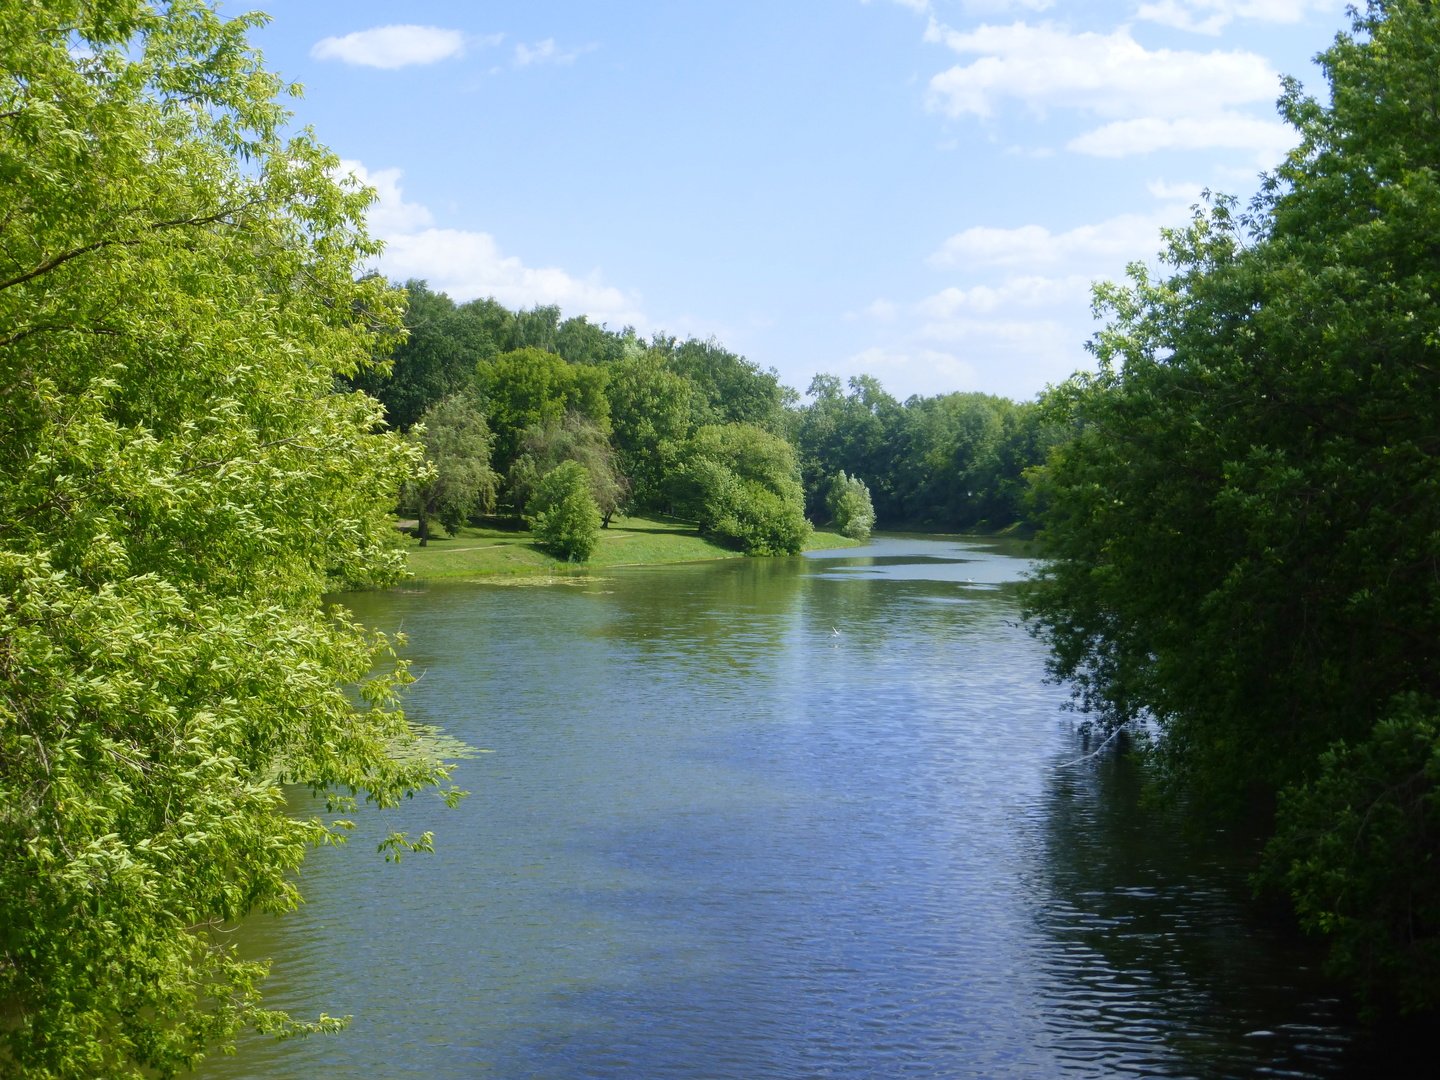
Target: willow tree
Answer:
[[179, 485]]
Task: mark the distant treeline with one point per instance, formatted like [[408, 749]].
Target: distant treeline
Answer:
[[690, 427]]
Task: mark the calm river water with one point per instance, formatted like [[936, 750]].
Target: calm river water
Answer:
[[778, 818]]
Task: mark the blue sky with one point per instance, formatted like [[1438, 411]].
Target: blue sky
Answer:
[[920, 190]]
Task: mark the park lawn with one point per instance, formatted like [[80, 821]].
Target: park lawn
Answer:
[[503, 550]]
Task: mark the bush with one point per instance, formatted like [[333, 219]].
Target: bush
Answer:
[[562, 513], [851, 512], [742, 485]]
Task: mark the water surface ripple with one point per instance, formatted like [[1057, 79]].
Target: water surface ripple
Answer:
[[776, 819]]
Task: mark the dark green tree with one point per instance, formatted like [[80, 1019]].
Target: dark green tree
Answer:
[[433, 360], [847, 432], [580, 341], [1243, 526], [650, 414], [726, 388], [528, 387]]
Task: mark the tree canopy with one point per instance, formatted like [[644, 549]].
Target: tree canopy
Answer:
[[457, 481], [1245, 527], [742, 484], [179, 485]]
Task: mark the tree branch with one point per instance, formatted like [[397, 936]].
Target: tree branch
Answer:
[[74, 253]]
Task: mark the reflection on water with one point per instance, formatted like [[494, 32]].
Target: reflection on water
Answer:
[[775, 818]]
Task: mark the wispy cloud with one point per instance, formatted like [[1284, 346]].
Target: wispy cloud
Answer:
[[468, 264], [547, 52], [1150, 99], [393, 47], [1014, 302], [1212, 16], [1088, 247]]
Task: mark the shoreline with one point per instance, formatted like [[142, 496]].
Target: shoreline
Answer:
[[502, 549]]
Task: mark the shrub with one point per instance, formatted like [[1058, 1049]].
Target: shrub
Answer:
[[563, 515]]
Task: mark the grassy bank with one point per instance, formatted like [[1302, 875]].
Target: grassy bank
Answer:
[[502, 549]]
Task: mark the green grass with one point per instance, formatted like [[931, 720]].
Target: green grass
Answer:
[[501, 549]]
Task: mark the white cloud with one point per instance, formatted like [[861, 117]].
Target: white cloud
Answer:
[[880, 310], [1111, 75], [547, 52], [394, 46], [467, 264], [390, 213], [1036, 247], [1268, 139], [904, 371], [1212, 16], [1186, 193], [1149, 99], [1015, 302], [1025, 291]]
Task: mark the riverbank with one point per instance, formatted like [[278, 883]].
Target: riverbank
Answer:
[[503, 549]]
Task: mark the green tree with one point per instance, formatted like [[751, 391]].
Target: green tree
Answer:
[[529, 386], [848, 501], [179, 487], [1244, 524], [562, 513], [726, 388], [435, 359], [742, 485], [650, 414], [853, 432], [572, 438], [580, 341], [457, 481]]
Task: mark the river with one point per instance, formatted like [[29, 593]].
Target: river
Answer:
[[781, 818]]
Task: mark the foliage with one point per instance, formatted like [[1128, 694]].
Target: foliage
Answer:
[[179, 485], [725, 387], [953, 460], [848, 501], [562, 513], [528, 387], [457, 482], [1245, 528], [855, 433], [650, 414], [435, 359], [742, 485], [1356, 849], [572, 438]]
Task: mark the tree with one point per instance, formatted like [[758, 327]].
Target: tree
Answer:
[[742, 485], [580, 341], [529, 386], [457, 481], [650, 413], [435, 359], [572, 438], [726, 388], [853, 433], [1243, 527], [562, 513], [848, 501], [180, 485]]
